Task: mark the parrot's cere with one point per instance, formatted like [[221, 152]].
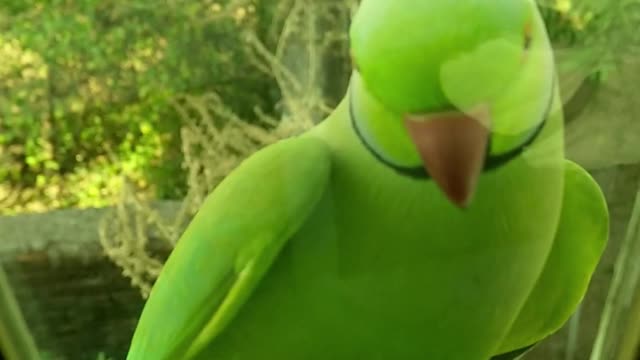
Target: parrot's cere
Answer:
[[432, 215]]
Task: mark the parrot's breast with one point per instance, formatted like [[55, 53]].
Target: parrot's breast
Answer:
[[387, 268]]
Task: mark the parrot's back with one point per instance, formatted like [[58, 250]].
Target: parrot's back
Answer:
[[386, 268]]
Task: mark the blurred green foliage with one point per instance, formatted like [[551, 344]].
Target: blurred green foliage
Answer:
[[85, 91], [600, 34], [86, 87]]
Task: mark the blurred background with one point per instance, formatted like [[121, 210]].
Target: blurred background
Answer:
[[118, 117]]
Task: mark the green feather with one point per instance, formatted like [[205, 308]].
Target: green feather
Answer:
[[228, 246], [579, 242], [320, 247]]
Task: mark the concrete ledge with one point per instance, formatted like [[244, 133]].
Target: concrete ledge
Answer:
[[74, 299]]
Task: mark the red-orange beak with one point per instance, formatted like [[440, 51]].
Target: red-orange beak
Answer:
[[452, 146]]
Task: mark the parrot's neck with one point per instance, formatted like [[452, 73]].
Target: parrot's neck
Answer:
[[384, 135], [381, 132]]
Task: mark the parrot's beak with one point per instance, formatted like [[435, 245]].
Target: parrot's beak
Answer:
[[453, 147]]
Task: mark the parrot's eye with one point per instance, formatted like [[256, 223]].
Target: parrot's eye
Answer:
[[354, 63], [527, 36]]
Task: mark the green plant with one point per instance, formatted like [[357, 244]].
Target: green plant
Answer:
[[86, 90], [215, 137]]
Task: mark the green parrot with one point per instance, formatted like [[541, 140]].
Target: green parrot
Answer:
[[432, 215]]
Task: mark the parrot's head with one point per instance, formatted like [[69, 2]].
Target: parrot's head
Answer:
[[448, 86]]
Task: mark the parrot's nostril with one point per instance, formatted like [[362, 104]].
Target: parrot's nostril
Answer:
[[354, 63]]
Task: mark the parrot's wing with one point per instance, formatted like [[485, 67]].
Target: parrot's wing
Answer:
[[229, 246], [515, 354], [580, 240], [575, 68], [599, 78], [604, 131]]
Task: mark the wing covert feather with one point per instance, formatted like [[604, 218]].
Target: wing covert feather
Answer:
[[229, 245], [580, 241]]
